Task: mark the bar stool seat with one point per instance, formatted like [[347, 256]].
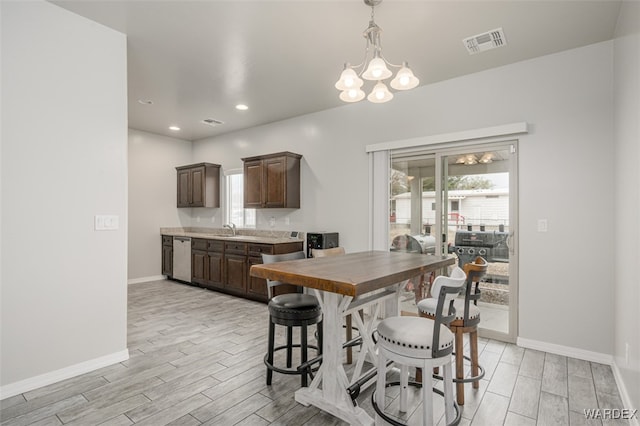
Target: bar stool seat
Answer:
[[422, 343], [291, 310], [294, 306]]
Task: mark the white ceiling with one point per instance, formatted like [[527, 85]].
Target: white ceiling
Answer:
[[197, 59]]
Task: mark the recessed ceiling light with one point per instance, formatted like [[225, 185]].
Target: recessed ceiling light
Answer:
[[242, 107], [174, 128], [145, 101]]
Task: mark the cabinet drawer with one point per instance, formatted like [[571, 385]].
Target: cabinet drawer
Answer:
[[198, 244], [167, 240], [258, 249], [215, 245], [235, 248]]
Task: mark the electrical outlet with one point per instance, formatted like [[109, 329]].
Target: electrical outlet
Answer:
[[286, 220], [272, 221]]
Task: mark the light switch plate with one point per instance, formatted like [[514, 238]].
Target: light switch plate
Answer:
[[106, 222], [542, 225]]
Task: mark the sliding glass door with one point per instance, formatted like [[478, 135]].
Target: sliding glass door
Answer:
[[462, 201]]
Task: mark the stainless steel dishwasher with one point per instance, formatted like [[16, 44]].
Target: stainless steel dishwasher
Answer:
[[182, 259]]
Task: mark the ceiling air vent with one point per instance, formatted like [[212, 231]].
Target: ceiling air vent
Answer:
[[485, 41], [211, 122]]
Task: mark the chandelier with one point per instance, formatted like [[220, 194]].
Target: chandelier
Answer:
[[350, 83]]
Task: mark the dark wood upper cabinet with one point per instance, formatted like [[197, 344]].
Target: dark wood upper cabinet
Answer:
[[199, 185], [272, 181], [253, 184]]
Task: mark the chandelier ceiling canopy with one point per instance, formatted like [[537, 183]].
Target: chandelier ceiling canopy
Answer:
[[373, 69]]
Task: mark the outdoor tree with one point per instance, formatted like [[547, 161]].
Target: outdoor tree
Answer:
[[459, 182]]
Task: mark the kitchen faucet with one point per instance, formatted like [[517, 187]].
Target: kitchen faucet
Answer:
[[231, 226]]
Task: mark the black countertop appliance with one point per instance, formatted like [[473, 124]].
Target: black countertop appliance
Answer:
[[321, 240]]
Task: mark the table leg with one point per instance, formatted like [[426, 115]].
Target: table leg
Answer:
[[329, 391]]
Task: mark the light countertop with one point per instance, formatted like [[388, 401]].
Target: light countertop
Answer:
[[242, 235]]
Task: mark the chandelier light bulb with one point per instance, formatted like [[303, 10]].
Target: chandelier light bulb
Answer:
[[404, 79], [380, 94], [377, 70], [487, 158], [349, 79], [352, 95]]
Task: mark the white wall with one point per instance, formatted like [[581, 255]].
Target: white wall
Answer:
[[152, 198], [564, 160], [627, 205], [64, 159], [333, 173]]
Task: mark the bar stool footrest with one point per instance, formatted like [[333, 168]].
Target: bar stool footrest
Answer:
[[394, 422], [466, 379], [292, 370]]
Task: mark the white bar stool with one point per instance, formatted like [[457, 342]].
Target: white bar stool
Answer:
[[466, 321], [423, 343]]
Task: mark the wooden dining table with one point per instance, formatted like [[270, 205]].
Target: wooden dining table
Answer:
[[344, 284]]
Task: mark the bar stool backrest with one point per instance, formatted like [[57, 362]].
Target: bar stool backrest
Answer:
[[446, 289], [273, 258], [475, 271]]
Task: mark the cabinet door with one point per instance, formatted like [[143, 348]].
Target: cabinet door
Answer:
[[167, 260], [199, 267], [215, 269], [253, 184], [184, 188], [198, 175], [235, 268], [274, 181], [256, 287]]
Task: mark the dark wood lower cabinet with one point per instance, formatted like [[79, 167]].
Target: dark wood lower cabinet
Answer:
[[167, 255], [206, 263], [256, 287], [215, 269], [235, 268], [224, 265], [199, 270]]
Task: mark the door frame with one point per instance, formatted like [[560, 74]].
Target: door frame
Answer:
[[379, 191], [441, 210]]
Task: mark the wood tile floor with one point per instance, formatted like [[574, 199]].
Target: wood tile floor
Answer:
[[196, 358]]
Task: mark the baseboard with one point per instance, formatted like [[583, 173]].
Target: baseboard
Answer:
[[566, 351], [36, 382], [624, 395], [146, 279]]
